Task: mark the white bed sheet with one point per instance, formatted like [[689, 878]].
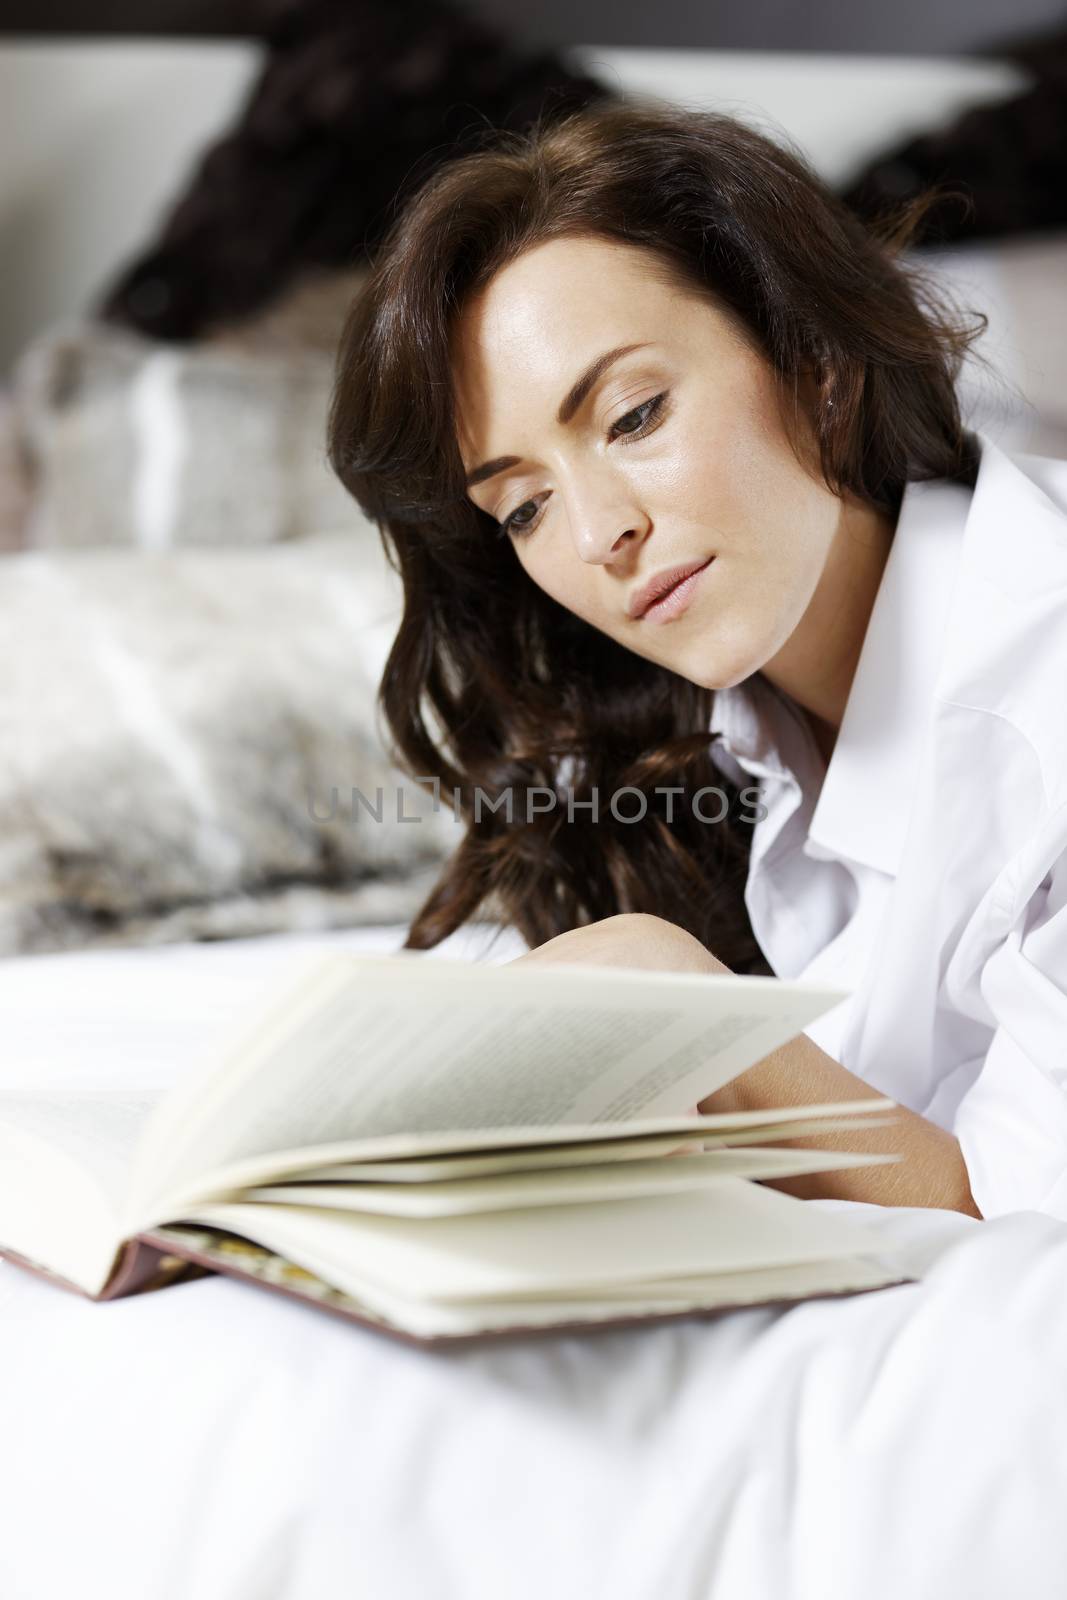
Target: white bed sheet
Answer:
[[215, 1443]]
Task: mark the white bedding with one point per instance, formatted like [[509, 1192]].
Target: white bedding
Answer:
[[215, 1443]]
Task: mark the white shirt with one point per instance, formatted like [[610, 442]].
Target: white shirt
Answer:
[[925, 869]]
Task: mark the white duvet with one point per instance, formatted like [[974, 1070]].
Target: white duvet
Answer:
[[212, 1442]]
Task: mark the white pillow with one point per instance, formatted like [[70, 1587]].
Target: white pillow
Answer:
[[1021, 285]]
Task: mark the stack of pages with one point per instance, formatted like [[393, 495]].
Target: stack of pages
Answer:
[[448, 1150]]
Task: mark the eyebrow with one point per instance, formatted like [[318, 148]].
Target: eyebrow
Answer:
[[568, 406]]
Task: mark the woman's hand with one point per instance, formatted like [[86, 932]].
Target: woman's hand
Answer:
[[631, 939]]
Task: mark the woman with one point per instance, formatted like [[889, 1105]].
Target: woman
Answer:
[[663, 442]]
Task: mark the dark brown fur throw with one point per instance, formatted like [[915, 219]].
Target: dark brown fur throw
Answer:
[[1003, 167], [357, 102]]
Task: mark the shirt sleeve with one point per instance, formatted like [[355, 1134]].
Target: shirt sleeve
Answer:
[[1012, 1122]]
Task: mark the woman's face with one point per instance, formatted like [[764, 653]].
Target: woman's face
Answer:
[[675, 454]]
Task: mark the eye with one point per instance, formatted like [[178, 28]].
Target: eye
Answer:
[[647, 416], [513, 523]]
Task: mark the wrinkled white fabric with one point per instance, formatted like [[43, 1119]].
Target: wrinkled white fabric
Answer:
[[213, 1442]]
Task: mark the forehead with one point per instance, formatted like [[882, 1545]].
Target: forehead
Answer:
[[556, 304]]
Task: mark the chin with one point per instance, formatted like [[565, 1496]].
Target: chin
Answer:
[[714, 674], [698, 673]]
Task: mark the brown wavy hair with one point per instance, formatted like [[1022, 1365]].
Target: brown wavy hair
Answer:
[[490, 684]]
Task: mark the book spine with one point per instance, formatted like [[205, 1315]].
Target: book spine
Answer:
[[144, 1265], [139, 1268]]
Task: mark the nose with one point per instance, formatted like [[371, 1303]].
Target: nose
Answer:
[[608, 535]]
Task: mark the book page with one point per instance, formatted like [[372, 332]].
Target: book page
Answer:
[[740, 1128], [65, 1158], [552, 1252], [460, 1196], [419, 1169], [374, 1046], [414, 1169], [443, 1321], [96, 1129]]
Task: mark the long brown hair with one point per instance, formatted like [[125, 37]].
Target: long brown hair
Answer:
[[490, 684]]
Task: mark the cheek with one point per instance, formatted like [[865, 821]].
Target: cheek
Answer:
[[709, 480], [557, 569], [546, 566], [729, 459]]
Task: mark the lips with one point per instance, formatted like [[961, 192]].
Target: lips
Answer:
[[661, 584]]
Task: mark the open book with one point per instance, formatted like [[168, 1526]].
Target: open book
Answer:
[[446, 1150]]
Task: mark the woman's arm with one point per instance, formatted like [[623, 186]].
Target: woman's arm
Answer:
[[932, 1172]]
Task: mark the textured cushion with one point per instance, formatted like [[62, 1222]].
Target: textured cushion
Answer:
[[180, 737], [14, 480], [138, 443]]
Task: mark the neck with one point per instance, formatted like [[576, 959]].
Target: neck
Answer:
[[816, 666]]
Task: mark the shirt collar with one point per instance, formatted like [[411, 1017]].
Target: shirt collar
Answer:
[[864, 794], [756, 723]]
